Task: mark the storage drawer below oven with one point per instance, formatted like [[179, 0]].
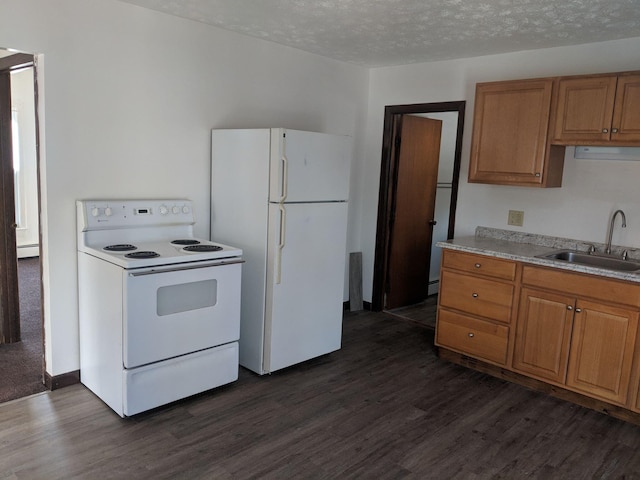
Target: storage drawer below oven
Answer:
[[165, 382]]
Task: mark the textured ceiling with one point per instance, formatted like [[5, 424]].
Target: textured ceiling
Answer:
[[394, 32]]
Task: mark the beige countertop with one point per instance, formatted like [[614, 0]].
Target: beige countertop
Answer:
[[513, 246]]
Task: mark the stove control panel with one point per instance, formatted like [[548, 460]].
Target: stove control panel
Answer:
[[109, 214]]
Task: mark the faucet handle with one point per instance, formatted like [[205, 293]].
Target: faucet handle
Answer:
[[625, 254], [592, 249]]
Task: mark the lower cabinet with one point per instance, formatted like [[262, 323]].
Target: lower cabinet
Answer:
[[475, 306], [543, 333], [478, 338], [602, 347], [585, 345], [575, 331]]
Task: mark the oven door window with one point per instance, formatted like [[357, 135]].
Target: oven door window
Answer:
[[186, 296]]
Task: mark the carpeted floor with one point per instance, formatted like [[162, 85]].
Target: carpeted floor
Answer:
[[21, 362]]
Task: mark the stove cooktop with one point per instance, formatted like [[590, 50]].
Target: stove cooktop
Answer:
[[144, 233], [161, 252]]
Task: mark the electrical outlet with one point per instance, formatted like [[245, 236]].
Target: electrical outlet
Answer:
[[516, 218]]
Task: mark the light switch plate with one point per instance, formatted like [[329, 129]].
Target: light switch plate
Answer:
[[516, 218]]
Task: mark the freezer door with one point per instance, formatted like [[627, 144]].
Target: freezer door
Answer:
[[306, 263], [309, 167]]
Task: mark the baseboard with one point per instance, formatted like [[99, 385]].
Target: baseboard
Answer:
[[365, 306], [28, 251], [61, 381]]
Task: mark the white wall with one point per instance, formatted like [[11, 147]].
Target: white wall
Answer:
[[131, 96], [591, 190]]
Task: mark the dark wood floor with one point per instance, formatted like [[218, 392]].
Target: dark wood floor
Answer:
[[382, 407], [423, 313]]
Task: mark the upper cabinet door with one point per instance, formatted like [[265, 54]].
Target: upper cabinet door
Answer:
[[598, 110], [510, 134], [585, 109], [626, 113]]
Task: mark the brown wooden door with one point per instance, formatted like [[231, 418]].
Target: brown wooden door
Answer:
[[9, 301], [602, 349], [542, 335], [416, 157]]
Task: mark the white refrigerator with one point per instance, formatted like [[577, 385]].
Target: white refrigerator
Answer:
[[281, 195]]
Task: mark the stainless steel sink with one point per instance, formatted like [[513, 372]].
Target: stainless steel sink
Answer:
[[593, 260]]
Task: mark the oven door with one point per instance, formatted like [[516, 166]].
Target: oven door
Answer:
[[178, 309]]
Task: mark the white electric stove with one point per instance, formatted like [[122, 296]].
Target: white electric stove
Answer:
[[159, 309]]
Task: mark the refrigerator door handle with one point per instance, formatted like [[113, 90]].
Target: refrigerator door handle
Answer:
[[285, 175], [283, 222]]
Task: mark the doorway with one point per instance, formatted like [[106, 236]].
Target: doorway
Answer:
[[21, 326], [445, 190]]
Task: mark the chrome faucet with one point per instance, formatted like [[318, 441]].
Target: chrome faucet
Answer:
[[613, 221]]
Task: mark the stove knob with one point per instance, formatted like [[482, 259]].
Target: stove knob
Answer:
[[163, 210], [185, 209], [95, 212], [108, 212], [175, 209]]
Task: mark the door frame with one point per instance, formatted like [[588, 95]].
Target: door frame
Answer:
[[9, 301], [387, 186]]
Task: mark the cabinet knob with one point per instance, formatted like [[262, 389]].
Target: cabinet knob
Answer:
[[614, 130], [477, 265], [471, 335], [578, 310], [605, 130], [537, 175], [474, 295], [569, 307]]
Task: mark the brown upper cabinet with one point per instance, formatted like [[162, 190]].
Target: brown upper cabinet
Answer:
[[598, 110], [511, 135]]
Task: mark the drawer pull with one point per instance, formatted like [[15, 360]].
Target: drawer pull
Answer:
[[471, 335], [477, 265], [474, 295]]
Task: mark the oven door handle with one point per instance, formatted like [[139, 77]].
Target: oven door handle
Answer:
[[185, 267]]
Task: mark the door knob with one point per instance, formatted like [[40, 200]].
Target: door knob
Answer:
[[433, 222]]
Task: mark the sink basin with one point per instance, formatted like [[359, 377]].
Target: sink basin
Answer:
[[599, 261]]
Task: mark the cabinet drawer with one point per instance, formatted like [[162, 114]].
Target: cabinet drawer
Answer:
[[479, 264], [589, 286], [479, 296], [472, 337]]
